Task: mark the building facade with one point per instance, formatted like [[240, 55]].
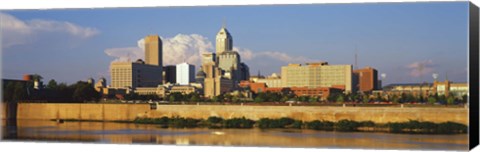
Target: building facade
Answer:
[[170, 72], [141, 73], [185, 73], [214, 83], [446, 88], [153, 50], [314, 75], [273, 81], [135, 74], [366, 79], [224, 41]]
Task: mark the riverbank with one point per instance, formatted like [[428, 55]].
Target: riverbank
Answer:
[[344, 125]]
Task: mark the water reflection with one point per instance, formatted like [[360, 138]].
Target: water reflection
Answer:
[[106, 132]]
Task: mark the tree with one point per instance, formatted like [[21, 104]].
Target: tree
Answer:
[[37, 77], [332, 96], [195, 98], [365, 99], [464, 99], [340, 99], [432, 100], [20, 92], [451, 100], [52, 84], [228, 97], [85, 92], [8, 91]]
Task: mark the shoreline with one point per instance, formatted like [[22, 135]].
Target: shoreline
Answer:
[[409, 127]]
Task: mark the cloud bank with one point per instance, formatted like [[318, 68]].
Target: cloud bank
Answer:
[[190, 47], [421, 68], [19, 32]]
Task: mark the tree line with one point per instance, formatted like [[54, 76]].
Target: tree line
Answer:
[[80, 92]]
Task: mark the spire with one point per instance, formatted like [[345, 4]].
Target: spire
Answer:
[[224, 23], [446, 76]]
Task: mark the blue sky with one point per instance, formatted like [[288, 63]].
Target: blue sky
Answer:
[[395, 38]]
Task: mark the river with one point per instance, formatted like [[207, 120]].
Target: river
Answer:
[[109, 132]]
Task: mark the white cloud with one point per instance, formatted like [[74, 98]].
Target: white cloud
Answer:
[[125, 54], [189, 48], [420, 68], [18, 32], [248, 54], [176, 50]]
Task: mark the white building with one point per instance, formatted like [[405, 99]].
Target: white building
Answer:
[[185, 73]]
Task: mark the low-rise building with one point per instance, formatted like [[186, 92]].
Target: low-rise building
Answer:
[[318, 75], [183, 89]]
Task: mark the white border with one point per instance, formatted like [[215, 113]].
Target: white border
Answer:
[[59, 4]]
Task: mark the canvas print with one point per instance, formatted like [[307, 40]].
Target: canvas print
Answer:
[[355, 76]]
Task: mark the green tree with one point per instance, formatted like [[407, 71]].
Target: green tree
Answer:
[[228, 97], [52, 84], [20, 92], [451, 100], [365, 99], [8, 91], [432, 100], [464, 99], [332, 96], [340, 99], [37, 77], [85, 92], [195, 98]]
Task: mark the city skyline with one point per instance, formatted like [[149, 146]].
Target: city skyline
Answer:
[[432, 40]]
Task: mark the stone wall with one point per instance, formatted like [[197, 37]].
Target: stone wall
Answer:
[[109, 112], [309, 113], [3, 112]]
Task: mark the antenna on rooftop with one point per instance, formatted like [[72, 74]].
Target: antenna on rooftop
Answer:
[[224, 23], [446, 75], [356, 58]]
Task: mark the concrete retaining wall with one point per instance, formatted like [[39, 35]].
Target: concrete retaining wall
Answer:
[[109, 112], [309, 113]]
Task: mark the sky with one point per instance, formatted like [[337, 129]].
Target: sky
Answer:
[[408, 42]]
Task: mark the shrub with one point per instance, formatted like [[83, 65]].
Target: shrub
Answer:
[[320, 125], [346, 125], [239, 123], [297, 124], [214, 120], [367, 124]]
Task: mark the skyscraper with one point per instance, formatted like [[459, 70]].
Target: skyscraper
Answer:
[[224, 41], [140, 73], [185, 73], [153, 50]]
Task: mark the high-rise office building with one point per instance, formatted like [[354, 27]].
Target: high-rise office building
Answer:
[[224, 41], [153, 50], [185, 73], [229, 61], [314, 75], [141, 73]]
